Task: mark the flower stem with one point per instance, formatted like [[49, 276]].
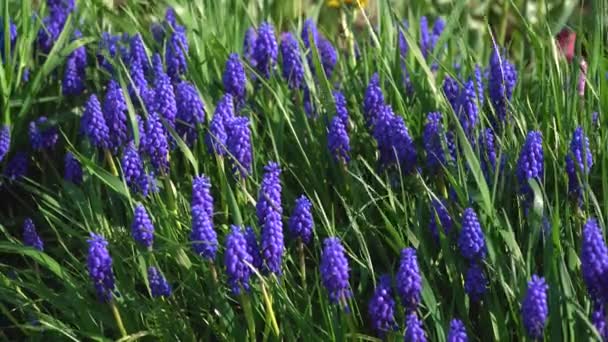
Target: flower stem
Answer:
[[269, 311], [302, 262], [246, 302], [110, 162], [118, 320], [170, 194], [213, 273]]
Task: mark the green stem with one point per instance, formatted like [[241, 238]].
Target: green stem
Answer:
[[213, 273], [110, 162], [246, 302], [269, 311], [302, 262], [348, 36], [170, 194], [121, 327]]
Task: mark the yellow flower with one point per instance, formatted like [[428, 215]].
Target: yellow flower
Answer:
[[337, 3]]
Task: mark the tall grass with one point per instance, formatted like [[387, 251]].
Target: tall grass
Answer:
[[48, 295]]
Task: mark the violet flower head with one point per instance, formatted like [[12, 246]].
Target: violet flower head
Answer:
[[142, 228], [381, 308], [237, 260], [159, 287], [534, 307], [30, 235], [599, 320], [42, 134], [334, 271], [475, 282], [433, 138], [238, 143], [137, 53], [234, 78], [414, 332], [99, 263], [409, 281], [293, 70], [269, 212], [310, 106], [338, 141], [203, 236], [451, 89], [164, 97], [108, 47], [471, 241], [156, 144], [439, 210], [133, 170], [72, 83], [18, 166], [217, 137], [201, 194], [139, 91], [310, 34], [394, 141], [115, 114], [372, 101], [12, 34], [93, 124], [502, 77], [190, 112], [487, 152], [467, 109], [479, 86], [72, 171], [176, 53], [301, 222], [253, 248], [403, 47], [328, 56], [578, 162], [594, 260], [458, 332], [341, 106], [266, 49], [249, 46], [530, 164], [5, 140]]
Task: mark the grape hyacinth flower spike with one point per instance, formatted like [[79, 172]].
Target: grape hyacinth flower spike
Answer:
[[293, 69], [266, 50], [471, 241], [203, 236], [239, 145], [5, 140], [409, 281], [217, 136], [237, 260], [269, 212], [72, 169], [43, 136], [457, 332], [142, 228], [300, 223], [115, 114], [100, 267], [578, 163], [234, 78], [159, 287], [381, 307], [414, 332], [530, 164], [30, 235], [190, 112], [534, 308], [335, 271], [594, 261]]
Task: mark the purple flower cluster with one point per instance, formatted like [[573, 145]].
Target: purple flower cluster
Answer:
[[190, 112], [502, 77], [433, 138], [156, 144], [381, 307], [249, 45], [458, 332], [428, 40], [53, 24], [394, 142], [334, 271], [115, 114], [293, 70], [338, 141], [471, 242], [239, 145], [467, 107], [133, 170], [42, 134], [237, 260], [439, 211], [253, 248], [93, 124], [201, 194], [203, 236], [5, 140], [414, 332], [451, 89], [300, 222], [594, 261], [487, 151], [217, 137], [534, 308], [74, 73], [475, 282], [373, 101], [234, 78], [30, 235], [142, 228], [176, 52], [578, 162], [12, 34], [99, 263], [266, 50], [530, 164], [159, 287], [18, 166], [269, 212], [328, 56], [409, 281], [164, 96], [72, 171]]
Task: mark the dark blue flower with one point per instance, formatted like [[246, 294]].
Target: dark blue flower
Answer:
[[373, 101], [133, 170], [269, 212], [234, 78], [433, 138], [458, 332], [451, 89], [237, 260], [414, 332], [310, 107], [139, 91], [467, 110], [30, 235], [381, 307], [115, 114], [530, 164], [99, 264], [93, 124], [598, 318], [108, 46], [266, 50], [12, 34], [471, 242], [328, 56], [164, 97], [594, 261], [159, 287], [190, 111], [17, 166], [142, 228], [293, 70], [72, 169], [334, 271], [137, 53], [310, 35], [578, 162], [176, 53], [239, 145], [487, 152], [203, 236], [42, 134], [300, 222], [502, 77], [394, 142], [252, 248], [534, 308], [217, 137], [201, 194], [409, 281], [338, 141], [475, 282], [341, 106], [439, 210], [5, 140], [249, 45], [73, 78], [156, 144]]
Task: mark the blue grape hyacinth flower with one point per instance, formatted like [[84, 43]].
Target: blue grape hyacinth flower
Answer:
[[30, 235], [159, 287], [99, 263], [335, 271], [534, 308]]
